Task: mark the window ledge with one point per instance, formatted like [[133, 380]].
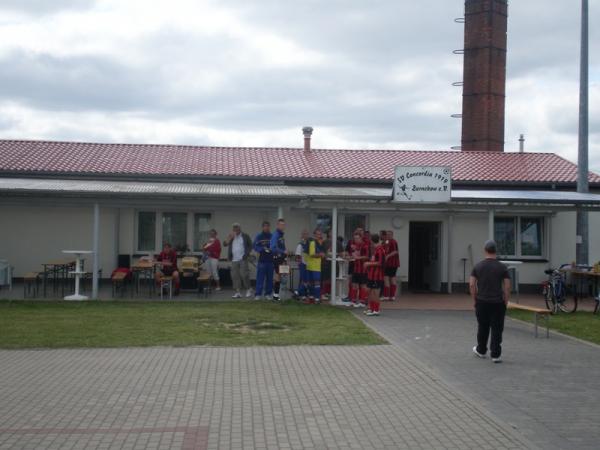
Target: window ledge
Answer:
[[525, 260]]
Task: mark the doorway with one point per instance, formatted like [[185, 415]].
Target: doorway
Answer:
[[424, 271]]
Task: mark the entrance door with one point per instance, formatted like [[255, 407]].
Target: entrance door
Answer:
[[424, 271]]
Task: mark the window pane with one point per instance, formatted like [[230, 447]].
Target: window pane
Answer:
[[201, 227], [175, 230], [324, 222], [146, 231], [504, 235], [352, 222], [531, 236]]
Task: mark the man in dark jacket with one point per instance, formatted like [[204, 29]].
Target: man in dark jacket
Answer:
[[279, 251], [239, 247], [264, 267], [490, 289]]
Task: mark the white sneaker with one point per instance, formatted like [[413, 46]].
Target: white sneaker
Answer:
[[359, 305], [372, 313], [480, 355], [236, 295], [249, 293], [497, 360], [367, 312], [258, 297], [217, 289]]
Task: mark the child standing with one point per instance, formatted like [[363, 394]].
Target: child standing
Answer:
[[375, 271], [359, 253]]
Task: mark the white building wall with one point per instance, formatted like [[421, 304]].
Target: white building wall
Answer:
[[594, 237], [33, 234]]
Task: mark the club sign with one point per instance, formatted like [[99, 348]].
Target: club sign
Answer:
[[422, 184]]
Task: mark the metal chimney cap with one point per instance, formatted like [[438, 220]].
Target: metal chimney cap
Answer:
[[307, 131]]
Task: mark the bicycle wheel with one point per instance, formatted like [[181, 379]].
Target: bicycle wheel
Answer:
[[568, 302], [549, 299]]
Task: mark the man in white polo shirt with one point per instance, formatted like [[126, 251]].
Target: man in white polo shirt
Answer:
[[240, 246]]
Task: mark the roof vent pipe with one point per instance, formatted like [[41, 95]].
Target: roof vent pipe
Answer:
[[522, 143], [307, 132]]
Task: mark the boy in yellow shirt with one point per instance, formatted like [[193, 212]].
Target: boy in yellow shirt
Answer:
[[316, 253]]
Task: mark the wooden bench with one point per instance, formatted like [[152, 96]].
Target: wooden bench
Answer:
[[118, 282], [204, 283], [536, 313], [30, 283]]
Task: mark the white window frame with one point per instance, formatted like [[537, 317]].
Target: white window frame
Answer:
[[159, 228], [544, 244]]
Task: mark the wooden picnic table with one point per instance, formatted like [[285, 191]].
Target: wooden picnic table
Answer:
[[582, 276], [59, 269], [146, 268]]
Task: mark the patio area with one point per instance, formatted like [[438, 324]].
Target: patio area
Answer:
[[405, 300]]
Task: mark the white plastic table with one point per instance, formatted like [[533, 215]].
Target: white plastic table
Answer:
[[514, 265], [77, 272], [341, 280]]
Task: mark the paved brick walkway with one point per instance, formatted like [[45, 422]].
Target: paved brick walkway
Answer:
[[547, 389], [183, 398]]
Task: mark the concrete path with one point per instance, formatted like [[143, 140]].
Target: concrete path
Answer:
[[208, 398], [547, 389]]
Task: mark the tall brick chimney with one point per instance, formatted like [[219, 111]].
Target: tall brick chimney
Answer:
[[484, 75]]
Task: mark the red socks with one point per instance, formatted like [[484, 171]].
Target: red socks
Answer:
[[352, 294], [364, 294], [386, 291], [373, 305], [393, 291]]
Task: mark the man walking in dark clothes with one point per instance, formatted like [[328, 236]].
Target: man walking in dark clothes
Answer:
[[490, 288]]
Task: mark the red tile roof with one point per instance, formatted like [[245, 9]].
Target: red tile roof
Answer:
[[276, 163]]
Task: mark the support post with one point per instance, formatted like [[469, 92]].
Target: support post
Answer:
[[582, 246], [334, 233], [279, 212], [491, 224], [96, 240], [450, 274]]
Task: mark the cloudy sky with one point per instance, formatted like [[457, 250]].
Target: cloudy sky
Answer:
[[364, 74]]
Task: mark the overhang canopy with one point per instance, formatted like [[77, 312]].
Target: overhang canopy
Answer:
[[18, 187]]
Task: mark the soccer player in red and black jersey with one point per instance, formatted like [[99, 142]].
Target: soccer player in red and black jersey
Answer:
[[375, 270], [359, 253], [392, 262]]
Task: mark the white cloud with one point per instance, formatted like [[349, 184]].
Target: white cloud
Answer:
[[244, 73]]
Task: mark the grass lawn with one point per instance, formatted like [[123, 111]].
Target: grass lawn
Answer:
[[582, 325], [123, 324]]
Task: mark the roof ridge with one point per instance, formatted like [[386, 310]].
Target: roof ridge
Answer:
[[196, 146]]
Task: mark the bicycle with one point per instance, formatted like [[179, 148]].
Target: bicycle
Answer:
[[556, 293]]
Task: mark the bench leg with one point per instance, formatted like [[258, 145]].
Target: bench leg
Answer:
[[547, 325], [535, 321]]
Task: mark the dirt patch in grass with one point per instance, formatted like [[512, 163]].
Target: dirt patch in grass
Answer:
[[254, 326]]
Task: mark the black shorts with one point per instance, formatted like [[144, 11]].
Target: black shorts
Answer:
[[359, 278], [390, 271], [374, 284], [167, 271]]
